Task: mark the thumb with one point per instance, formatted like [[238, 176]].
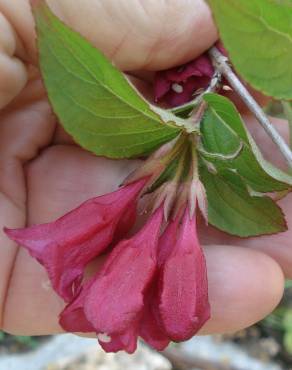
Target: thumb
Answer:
[[142, 34]]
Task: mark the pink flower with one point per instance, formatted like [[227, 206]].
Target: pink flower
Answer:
[[66, 246], [151, 329], [178, 85], [112, 303], [183, 286], [151, 286]]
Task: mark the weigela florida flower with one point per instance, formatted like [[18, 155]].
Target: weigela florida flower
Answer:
[[179, 85], [152, 285], [66, 246]]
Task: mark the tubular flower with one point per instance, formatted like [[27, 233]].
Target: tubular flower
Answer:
[[183, 287], [151, 285], [113, 301], [178, 85], [66, 246]]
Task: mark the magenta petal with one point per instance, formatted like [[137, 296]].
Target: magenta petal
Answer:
[[161, 86], [66, 246], [72, 318], [126, 222], [184, 305], [167, 241], [121, 342], [151, 329], [192, 85], [199, 67], [177, 86], [116, 299]]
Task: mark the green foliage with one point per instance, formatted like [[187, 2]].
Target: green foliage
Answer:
[[95, 103], [233, 209], [236, 181], [258, 37], [223, 131]]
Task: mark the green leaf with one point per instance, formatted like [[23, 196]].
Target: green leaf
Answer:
[[94, 101], [223, 131], [232, 209], [258, 37]]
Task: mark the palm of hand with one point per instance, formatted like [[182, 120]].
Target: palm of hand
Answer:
[[43, 174]]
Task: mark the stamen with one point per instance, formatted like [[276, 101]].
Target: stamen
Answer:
[[104, 338], [177, 88], [227, 88]]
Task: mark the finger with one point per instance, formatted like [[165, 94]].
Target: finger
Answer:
[[142, 34], [13, 73], [244, 285], [31, 305], [277, 246], [19, 15], [24, 130]]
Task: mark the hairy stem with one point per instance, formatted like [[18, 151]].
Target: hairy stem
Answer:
[[221, 64]]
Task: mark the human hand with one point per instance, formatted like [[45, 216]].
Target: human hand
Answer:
[[43, 174]]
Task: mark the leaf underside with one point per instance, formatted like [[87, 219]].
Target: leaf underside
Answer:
[[234, 185], [233, 210], [94, 101]]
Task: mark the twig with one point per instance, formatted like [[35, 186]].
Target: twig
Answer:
[[221, 64]]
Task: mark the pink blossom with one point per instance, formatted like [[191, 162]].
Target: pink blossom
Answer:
[[66, 246], [178, 85], [183, 286], [151, 329], [113, 302]]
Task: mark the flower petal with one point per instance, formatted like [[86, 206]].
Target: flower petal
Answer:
[[66, 246], [72, 318], [199, 67], [167, 241], [183, 285], [151, 329], [177, 86], [121, 342], [116, 299]]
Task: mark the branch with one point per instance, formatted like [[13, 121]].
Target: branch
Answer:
[[221, 64]]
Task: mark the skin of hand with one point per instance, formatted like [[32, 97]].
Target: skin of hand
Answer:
[[43, 174]]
